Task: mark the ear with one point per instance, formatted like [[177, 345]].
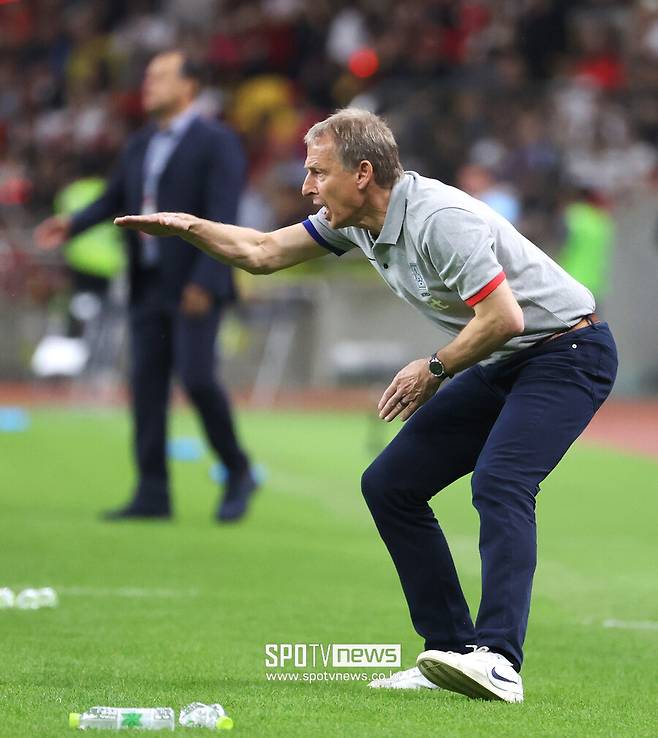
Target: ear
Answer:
[[364, 174]]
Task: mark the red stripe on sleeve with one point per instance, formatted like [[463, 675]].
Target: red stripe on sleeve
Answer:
[[486, 290]]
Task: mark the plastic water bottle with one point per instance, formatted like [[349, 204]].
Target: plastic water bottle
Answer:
[[47, 597], [27, 599], [7, 598], [117, 718], [198, 715], [34, 599]]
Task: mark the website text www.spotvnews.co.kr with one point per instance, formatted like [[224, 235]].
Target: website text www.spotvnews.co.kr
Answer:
[[309, 662]]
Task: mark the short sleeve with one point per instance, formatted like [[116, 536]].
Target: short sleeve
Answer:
[[460, 245], [330, 238]]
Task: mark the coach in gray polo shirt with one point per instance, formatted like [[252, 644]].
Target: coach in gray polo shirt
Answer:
[[532, 360]]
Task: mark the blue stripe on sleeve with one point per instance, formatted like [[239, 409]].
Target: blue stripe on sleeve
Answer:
[[313, 233]]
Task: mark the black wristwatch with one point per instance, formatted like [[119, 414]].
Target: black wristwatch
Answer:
[[436, 367]]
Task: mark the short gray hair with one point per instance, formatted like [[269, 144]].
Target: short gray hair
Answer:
[[361, 135]]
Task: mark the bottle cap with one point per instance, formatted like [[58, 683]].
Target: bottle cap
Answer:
[[224, 723], [74, 719]]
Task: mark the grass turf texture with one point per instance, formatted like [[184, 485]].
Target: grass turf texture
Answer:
[[307, 566]]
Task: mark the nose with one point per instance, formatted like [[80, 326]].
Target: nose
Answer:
[[307, 187]]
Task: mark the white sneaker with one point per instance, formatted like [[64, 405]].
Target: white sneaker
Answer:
[[408, 679], [482, 674]]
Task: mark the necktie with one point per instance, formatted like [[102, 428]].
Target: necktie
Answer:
[[157, 155]]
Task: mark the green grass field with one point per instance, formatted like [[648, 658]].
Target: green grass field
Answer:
[[167, 613]]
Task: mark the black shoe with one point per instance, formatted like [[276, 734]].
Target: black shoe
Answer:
[[136, 512], [238, 490]]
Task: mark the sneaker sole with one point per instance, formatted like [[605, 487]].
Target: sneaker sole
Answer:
[[454, 680]]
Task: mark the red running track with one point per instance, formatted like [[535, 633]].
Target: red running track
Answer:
[[628, 425]]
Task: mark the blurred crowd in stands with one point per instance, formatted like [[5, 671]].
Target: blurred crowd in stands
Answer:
[[528, 104]]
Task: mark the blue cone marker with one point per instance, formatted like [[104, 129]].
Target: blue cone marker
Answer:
[[13, 420], [185, 449]]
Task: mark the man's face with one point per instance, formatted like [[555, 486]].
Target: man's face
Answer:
[[330, 185], [164, 90]]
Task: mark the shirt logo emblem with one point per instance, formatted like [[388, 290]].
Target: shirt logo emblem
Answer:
[[437, 304], [418, 277]]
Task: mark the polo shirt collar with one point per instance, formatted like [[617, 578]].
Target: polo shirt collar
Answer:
[[178, 125], [397, 208]]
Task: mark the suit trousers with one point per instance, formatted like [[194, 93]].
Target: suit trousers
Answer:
[[509, 423], [163, 342]]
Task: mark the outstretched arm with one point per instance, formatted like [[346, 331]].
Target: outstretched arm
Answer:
[[246, 248]]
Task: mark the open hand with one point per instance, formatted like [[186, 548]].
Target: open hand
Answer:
[[158, 224], [52, 232], [195, 301], [411, 387]]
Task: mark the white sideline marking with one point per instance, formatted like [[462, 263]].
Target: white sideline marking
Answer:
[[631, 624], [126, 592]]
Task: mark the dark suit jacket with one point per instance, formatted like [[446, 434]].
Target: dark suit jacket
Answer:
[[204, 177]]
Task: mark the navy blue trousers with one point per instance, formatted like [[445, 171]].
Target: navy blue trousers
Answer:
[[509, 423], [164, 341]]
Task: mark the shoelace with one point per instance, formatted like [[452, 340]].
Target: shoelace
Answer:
[[486, 650], [480, 650], [470, 645]]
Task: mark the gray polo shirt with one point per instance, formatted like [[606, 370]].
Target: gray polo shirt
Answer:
[[443, 251]]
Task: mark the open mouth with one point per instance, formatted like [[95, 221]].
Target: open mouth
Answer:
[[325, 208]]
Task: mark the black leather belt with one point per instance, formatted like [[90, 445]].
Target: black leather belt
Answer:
[[590, 319]]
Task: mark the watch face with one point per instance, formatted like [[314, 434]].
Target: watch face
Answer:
[[436, 367]]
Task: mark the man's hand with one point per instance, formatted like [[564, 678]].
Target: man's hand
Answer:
[[53, 232], [411, 388], [158, 224], [195, 301]]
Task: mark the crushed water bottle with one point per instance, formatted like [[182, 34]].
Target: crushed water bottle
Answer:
[[47, 597], [27, 599], [118, 718], [198, 715], [33, 599], [7, 598]]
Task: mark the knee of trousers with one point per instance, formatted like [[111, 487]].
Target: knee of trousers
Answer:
[[497, 489], [375, 486], [384, 490], [148, 383], [198, 385]]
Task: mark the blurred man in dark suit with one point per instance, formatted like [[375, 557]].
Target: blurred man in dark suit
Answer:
[[177, 162]]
